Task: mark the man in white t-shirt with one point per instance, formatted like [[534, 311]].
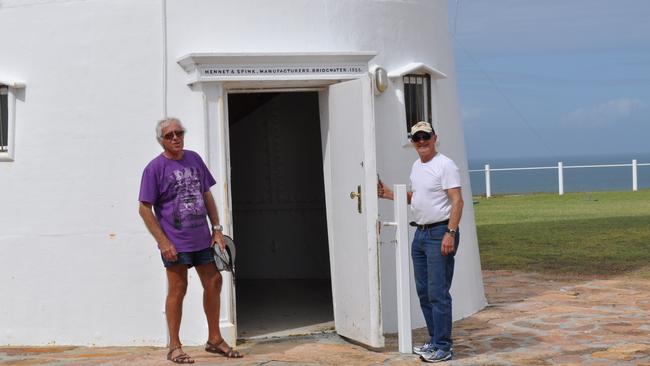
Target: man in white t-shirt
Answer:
[[436, 207]]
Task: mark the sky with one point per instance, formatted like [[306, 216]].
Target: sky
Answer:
[[553, 78]]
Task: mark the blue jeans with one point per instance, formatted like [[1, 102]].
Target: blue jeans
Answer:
[[433, 274]]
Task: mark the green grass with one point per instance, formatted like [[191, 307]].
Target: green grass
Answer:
[[579, 233]]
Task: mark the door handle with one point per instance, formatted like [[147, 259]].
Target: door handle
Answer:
[[357, 195]]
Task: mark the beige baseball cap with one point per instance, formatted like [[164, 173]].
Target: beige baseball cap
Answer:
[[421, 126]]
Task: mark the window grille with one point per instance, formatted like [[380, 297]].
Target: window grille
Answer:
[[417, 99], [4, 118]]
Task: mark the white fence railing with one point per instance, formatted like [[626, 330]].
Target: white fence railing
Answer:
[[560, 173], [404, 329]]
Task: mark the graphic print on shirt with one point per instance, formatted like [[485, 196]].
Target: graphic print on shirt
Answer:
[[189, 208]]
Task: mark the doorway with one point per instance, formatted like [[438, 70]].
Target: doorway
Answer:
[[283, 282]]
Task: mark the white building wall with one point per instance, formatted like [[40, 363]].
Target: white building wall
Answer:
[[79, 266]]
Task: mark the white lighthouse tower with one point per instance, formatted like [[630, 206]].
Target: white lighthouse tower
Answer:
[[293, 104]]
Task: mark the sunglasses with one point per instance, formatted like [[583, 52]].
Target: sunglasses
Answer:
[[421, 137], [170, 136]]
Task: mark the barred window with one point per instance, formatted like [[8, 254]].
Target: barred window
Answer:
[[4, 118], [417, 99]]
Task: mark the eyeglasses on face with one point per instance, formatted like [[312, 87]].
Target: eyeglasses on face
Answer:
[[170, 135], [421, 137]]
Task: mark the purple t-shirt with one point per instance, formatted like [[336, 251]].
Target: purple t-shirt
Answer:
[[175, 189]]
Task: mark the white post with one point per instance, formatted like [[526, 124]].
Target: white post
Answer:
[[635, 187], [403, 270], [560, 178], [488, 188]]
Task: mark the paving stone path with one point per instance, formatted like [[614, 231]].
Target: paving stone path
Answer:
[[535, 321], [531, 320]]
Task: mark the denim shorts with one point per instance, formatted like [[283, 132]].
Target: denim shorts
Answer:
[[191, 259]]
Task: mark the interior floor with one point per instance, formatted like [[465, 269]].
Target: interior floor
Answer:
[[277, 308], [283, 284]]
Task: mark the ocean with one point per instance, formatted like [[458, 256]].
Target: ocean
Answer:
[[575, 180]]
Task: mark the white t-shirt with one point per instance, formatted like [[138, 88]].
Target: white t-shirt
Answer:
[[429, 181]]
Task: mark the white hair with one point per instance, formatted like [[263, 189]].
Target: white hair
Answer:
[[163, 123]]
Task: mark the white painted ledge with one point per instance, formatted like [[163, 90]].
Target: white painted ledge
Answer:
[[416, 68], [12, 84], [190, 61]]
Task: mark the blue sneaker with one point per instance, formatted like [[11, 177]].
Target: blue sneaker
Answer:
[[437, 356], [424, 349]]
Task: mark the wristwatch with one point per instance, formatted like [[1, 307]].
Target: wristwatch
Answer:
[[217, 227], [451, 232]]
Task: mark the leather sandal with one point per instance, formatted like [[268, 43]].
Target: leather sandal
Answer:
[[182, 358], [228, 353]]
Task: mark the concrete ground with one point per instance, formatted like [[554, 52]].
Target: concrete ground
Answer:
[[290, 307], [531, 320]]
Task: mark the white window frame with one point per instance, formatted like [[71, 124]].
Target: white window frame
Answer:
[[426, 102], [12, 89], [417, 68], [432, 99]]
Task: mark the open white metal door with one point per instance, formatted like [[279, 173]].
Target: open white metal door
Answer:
[[351, 194]]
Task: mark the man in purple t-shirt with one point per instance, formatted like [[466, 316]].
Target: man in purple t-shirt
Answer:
[[174, 201]]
